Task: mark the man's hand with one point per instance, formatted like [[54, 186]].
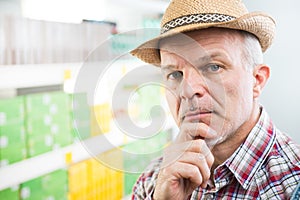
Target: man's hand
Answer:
[[186, 163]]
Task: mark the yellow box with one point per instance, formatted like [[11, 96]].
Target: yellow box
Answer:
[[91, 179], [101, 117]]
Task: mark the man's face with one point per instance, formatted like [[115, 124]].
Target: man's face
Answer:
[[205, 70]]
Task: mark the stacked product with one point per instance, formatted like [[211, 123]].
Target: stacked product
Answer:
[[52, 186], [138, 154], [80, 116], [148, 98], [12, 131], [11, 193], [101, 119], [91, 180], [48, 122]]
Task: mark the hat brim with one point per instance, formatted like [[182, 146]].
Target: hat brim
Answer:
[[257, 23]]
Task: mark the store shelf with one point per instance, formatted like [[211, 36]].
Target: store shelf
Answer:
[[31, 168], [34, 167], [39, 75], [23, 76]]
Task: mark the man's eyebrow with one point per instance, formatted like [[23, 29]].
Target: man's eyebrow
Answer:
[[208, 58], [168, 67], [202, 59], [205, 58]]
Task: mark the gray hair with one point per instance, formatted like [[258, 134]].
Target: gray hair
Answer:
[[253, 52]]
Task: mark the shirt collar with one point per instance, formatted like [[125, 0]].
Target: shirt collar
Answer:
[[249, 157]]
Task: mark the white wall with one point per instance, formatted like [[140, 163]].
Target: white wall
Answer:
[[282, 95], [10, 7]]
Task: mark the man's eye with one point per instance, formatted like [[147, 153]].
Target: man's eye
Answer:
[[213, 68], [175, 75]]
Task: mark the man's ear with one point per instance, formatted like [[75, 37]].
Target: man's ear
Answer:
[[261, 74]]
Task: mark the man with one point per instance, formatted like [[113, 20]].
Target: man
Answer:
[[210, 54]]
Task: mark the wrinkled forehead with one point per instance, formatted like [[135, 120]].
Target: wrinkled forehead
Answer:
[[180, 45], [177, 41], [192, 37], [200, 43]]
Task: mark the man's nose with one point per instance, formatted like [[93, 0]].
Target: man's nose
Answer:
[[193, 84]]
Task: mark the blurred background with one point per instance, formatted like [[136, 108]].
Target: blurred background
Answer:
[[59, 140]]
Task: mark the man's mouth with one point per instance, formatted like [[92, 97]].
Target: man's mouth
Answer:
[[197, 116], [199, 137]]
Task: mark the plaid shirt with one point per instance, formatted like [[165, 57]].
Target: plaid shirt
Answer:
[[265, 166]]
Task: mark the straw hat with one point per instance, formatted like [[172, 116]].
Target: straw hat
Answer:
[[187, 15]]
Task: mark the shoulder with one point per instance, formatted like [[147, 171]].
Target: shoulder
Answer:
[[280, 172], [286, 148]]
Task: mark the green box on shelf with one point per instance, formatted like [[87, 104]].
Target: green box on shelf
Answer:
[[56, 196], [55, 178], [48, 98], [62, 132], [55, 183], [148, 97], [32, 189], [81, 129], [50, 186], [54, 110], [53, 103], [48, 124], [80, 109], [10, 193], [40, 126], [42, 139], [129, 181], [11, 109], [13, 153], [39, 144], [64, 139], [149, 145], [137, 156], [62, 118], [12, 133]]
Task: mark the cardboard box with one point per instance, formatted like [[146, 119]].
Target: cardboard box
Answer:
[[137, 156], [39, 144], [52, 103], [10, 193], [12, 133], [79, 107], [92, 180], [11, 110], [81, 130], [38, 126], [48, 124], [129, 181], [63, 139], [101, 118], [12, 153], [50, 186]]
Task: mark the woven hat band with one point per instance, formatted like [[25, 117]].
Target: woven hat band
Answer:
[[196, 19]]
